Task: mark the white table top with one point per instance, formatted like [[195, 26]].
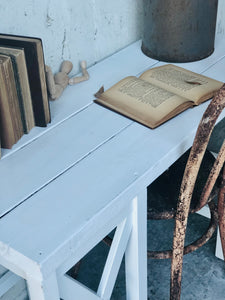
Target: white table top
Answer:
[[56, 180]]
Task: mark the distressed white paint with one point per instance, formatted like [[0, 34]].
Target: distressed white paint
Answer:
[[136, 278], [114, 258], [76, 30], [220, 18], [69, 288]]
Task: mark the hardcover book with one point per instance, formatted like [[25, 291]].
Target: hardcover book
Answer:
[[11, 128], [36, 73], [22, 84]]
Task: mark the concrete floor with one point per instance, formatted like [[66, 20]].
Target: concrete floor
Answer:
[[203, 273]]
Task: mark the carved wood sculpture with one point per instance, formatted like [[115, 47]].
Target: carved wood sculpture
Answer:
[[57, 83]]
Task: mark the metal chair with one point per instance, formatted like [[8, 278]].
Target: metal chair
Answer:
[[203, 180]]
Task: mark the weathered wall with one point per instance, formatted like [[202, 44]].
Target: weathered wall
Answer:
[[76, 30], [221, 18]]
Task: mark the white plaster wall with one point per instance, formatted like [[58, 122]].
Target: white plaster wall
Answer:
[[79, 29], [221, 18], [74, 29]]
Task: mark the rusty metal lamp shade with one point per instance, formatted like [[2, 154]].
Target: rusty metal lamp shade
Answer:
[[179, 30]]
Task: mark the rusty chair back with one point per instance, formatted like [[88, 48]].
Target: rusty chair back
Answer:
[[213, 176]]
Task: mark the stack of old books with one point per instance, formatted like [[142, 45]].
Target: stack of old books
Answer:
[[23, 92]]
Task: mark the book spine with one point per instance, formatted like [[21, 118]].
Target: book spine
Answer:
[[13, 99], [42, 73], [6, 126], [19, 95], [36, 74]]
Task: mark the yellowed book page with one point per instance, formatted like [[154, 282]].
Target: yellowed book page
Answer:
[[142, 101], [187, 84]]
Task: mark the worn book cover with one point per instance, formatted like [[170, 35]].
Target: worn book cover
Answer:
[[158, 94], [36, 73], [11, 128], [22, 84]]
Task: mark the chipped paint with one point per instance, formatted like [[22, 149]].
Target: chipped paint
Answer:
[[49, 20], [69, 29], [63, 44]]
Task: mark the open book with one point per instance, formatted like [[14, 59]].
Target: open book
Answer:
[[158, 94]]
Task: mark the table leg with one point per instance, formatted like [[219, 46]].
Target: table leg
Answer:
[[136, 252], [43, 290]]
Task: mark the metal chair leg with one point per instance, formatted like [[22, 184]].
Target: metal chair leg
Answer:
[[178, 250], [221, 211]]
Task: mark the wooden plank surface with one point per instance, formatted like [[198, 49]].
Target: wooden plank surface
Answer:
[[111, 155], [43, 160], [135, 156], [65, 143], [44, 154], [76, 98], [129, 61]]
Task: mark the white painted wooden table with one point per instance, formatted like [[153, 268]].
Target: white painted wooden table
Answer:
[[64, 187]]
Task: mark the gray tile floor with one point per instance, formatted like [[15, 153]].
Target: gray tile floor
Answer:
[[203, 273]]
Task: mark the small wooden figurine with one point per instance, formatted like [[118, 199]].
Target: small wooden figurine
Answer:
[[57, 83]]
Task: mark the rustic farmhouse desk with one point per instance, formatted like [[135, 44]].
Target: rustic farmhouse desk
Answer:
[[64, 187]]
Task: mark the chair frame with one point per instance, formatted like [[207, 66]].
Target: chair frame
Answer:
[[201, 140], [198, 149]]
